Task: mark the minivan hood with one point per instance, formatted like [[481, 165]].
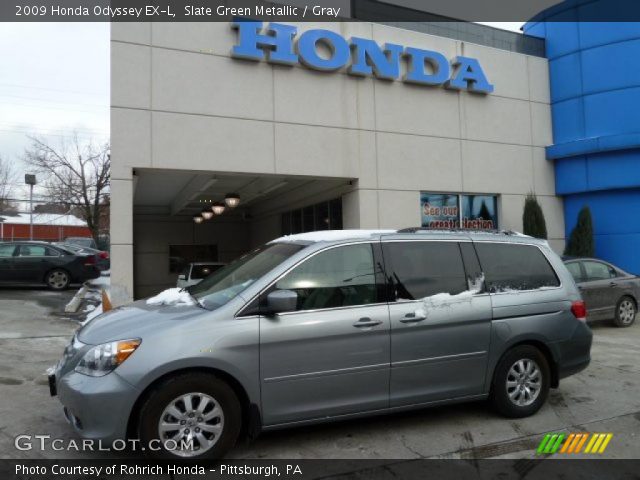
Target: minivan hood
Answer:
[[134, 321]]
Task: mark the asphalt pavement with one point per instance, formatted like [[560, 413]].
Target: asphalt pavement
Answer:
[[603, 398]]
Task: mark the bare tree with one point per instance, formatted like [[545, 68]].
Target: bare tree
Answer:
[[7, 182], [76, 173]]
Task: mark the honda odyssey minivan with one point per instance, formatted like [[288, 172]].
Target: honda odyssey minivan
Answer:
[[327, 326]]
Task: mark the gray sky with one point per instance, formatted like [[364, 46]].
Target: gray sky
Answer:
[[55, 79]]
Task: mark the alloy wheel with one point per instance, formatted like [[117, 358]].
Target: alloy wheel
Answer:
[[58, 279], [524, 382], [194, 419], [626, 311]]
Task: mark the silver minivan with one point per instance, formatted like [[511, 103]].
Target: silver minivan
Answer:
[[328, 326]]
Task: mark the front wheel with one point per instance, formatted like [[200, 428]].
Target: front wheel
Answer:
[[58, 279], [626, 312], [521, 382], [192, 416]]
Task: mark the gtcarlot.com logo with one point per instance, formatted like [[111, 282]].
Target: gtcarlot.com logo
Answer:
[[582, 442]]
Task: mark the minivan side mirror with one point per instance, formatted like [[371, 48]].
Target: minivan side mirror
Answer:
[[281, 301]]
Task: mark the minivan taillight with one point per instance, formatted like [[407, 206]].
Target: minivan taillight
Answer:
[[579, 310]]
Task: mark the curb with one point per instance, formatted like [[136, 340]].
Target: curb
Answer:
[[76, 301]]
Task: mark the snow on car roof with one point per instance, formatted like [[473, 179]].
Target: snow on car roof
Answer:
[[331, 235]]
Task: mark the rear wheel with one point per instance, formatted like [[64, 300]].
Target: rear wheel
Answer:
[[193, 415], [521, 382], [626, 312], [58, 279]]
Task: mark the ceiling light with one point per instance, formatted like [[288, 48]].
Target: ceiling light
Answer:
[[218, 208], [232, 200], [207, 214], [198, 219]]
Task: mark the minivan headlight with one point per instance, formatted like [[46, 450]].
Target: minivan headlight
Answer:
[[104, 358]]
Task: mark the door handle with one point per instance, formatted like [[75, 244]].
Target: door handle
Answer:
[[365, 322], [413, 318], [613, 284]]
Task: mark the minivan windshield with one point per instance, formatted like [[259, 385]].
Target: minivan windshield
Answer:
[[221, 286]]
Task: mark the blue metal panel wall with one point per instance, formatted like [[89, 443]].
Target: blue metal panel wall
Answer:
[[595, 95]]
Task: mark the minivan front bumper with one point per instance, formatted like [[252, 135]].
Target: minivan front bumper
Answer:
[[573, 355], [97, 407]]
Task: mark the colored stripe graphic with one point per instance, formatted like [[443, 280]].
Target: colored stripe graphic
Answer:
[[552, 442]]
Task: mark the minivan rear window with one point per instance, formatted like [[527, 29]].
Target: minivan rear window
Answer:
[[510, 266], [422, 269]]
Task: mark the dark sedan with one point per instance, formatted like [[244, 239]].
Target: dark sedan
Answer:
[[608, 291], [37, 263], [102, 257]]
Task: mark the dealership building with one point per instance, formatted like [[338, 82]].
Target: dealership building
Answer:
[[323, 126]]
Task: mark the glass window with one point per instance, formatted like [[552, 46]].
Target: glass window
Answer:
[[35, 251], [181, 255], [452, 210], [575, 270], [439, 211], [201, 271], [480, 212], [338, 277], [322, 216], [7, 250], [422, 269], [475, 277], [515, 267], [598, 271], [220, 287]]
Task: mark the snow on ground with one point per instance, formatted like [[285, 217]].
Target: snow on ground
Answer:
[[171, 296]]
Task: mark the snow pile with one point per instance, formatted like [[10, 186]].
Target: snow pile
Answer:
[[92, 314], [171, 296], [445, 300]]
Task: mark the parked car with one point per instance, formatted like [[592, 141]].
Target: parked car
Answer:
[[194, 272], [37, 263], [609, 292], [326, 326], [102, 258], [82, 241]]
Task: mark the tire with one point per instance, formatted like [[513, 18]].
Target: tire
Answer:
[[220, 432], [58, 279], [508, 399], [626, 312]]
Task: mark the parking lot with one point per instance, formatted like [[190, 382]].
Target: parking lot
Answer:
[[603, 398]]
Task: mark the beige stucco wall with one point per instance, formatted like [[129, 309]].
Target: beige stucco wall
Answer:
[[179, 101]]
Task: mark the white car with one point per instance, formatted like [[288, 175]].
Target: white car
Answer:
[[194, 272]]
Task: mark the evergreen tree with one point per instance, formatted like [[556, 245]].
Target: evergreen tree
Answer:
[[533, 218], [580, 242]]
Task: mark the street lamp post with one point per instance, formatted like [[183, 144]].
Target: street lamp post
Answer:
[[30, 180]]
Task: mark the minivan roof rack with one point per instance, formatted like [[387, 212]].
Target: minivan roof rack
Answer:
[[456, 230]]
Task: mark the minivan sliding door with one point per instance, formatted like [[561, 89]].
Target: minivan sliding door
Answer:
[[440, 321]]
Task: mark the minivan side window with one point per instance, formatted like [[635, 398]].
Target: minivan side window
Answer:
[[338, 277], [421, 269], [509, 266]]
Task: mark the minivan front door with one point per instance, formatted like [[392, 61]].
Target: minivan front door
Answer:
[[440, 321], [331, 356]]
